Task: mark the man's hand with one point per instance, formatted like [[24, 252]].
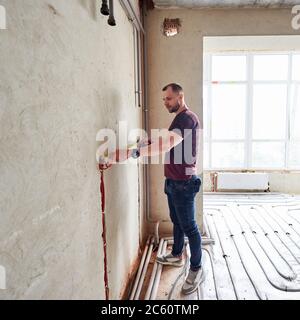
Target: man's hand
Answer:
[[114, 157]]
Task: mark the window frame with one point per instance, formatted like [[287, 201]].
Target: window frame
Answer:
[[250, 82]]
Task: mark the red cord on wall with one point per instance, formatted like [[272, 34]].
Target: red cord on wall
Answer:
[[102, 193]]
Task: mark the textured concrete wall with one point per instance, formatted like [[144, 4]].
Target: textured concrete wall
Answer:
[[64, 74], [179, 59]]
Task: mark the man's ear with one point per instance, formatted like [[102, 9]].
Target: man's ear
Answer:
[[180, 98]]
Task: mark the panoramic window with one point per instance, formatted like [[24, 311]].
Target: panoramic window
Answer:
[[252, 111]]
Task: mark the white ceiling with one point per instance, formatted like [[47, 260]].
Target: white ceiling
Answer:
[[224, 3]]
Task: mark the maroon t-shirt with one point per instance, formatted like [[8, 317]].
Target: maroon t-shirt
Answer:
[[180, 161]]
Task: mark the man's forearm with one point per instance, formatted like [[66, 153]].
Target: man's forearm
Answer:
[[156, 148]]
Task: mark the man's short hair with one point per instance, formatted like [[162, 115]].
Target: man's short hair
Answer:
[[175, 87]]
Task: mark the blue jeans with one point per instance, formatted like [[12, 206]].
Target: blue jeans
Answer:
[[181, 200]]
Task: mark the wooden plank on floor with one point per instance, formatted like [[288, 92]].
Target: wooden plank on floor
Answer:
[[260, 225], [243, 287], [224, 285], [176, 280], [279, 262], [271, 273], [281, 234], [168, 278], [295, 215], [285, 214], [207, 287], [250, 263]]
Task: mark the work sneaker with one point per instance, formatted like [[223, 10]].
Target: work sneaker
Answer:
[[192, 281], [170, 260]]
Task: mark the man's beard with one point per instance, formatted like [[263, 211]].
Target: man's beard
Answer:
[[175, 108]]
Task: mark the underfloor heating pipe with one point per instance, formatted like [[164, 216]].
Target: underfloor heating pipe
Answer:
[[158, 274], [138, 275], [157, 268], [154, 270], [145, 267]]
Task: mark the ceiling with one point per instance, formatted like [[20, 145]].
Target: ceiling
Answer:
[[225, 3]]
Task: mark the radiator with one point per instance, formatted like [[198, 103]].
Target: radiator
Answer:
[[229, 181]]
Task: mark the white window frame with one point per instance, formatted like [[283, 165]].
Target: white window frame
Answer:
[[207, 81]]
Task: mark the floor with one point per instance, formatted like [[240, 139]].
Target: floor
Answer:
[[255, 253]]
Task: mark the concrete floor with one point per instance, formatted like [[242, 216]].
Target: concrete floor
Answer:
[[256, 254]]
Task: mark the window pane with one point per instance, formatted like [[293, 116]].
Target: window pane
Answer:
[[227, 155], [270, 67], [206, 155], [205, 112], [296, 67], [228, 68], [295, 112], [268, 154], [228, 111], [294, 155], [269, 111], [206, 67]]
